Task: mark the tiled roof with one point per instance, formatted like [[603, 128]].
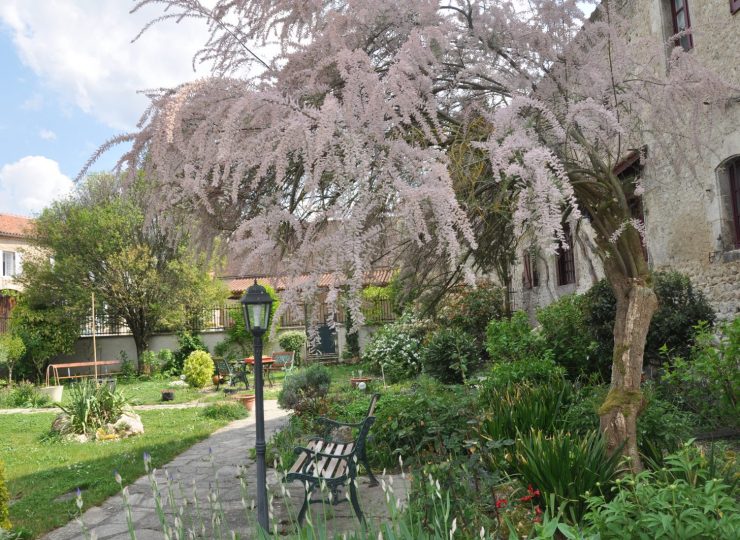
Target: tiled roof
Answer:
[[17, 226], [381, 276]]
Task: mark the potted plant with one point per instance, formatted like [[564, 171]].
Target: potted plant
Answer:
[[245, 399], [168, 395]]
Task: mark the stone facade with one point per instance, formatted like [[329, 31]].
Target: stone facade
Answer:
[[688, 217]]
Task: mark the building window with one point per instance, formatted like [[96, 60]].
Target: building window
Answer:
[[733, 170], [566, 264], [681, 22], [530, 277], [8, 262]]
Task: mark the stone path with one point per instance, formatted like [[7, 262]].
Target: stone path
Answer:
[[223, 456]]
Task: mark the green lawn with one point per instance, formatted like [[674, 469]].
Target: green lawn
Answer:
[[40, 470]]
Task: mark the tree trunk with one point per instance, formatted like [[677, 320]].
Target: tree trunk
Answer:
[[636, 303]]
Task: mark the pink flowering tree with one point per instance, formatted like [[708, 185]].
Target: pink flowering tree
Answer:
[[339, 144]]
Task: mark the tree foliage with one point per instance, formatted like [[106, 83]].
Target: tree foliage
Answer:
[[340, 149], [99, 241]]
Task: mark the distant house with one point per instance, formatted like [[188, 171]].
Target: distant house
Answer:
[[14, 239]]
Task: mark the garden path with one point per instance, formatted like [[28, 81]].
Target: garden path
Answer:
[[224, 455]]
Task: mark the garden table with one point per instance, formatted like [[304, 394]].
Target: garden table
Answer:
[[266, 363]]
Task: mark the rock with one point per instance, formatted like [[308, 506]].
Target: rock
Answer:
[[61, 424], [128, 424]]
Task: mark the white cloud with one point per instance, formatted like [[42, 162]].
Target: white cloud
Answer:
[[82, 50], [47, 135], [33, 103], [30, 184]]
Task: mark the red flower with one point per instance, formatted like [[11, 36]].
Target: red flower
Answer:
[[533, 492], [527, 498], [501, 503], [537, 510]]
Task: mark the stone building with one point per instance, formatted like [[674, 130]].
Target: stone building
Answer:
[[692, 221], [14, 239]]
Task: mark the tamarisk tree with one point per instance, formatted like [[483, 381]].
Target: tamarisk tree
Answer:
[[342, 142]]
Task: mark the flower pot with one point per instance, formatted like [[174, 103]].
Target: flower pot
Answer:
[[168, 395], [54, 393], [217, 380], [357, 380], [246, 399]]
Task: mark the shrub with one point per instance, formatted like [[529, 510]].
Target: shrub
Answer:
[[521, 407], [198, 369], [471, 309], [395, 350], [149, 363], [128, 370], [188, 343], [563, 328], [568, 466], [304, 390], [225, 411], [12, 349], [680, 502], [680, 309], [534, 370], [166, 361], [512, 339], [430, 423], [26, 394], [293, 340], [4, 500], [450, 356], [708, 384], [91, 406]]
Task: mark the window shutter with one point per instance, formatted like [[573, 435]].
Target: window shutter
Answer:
[[18, 262]]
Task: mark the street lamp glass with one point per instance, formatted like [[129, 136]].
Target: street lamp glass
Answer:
[[257, 305]]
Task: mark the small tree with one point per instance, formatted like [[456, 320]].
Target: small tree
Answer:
[[12, 349]]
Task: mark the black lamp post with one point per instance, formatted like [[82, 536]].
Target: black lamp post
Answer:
[[257, 305]]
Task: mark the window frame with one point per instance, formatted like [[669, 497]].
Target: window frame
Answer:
[[734, 183], [674, 17], [566, 261], [11, 255], [530, 276]]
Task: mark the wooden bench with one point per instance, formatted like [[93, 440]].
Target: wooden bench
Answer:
[[281, 361], [52, 370], [333, 463]]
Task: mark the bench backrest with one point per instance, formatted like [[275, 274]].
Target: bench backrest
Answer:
[[223, 367], [373, 403], [283, 359]]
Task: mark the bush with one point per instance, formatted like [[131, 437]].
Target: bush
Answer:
[[395, 349], [12, 349], [534, 370], [512, 339], [198, 369], [430, 423], [26, 394], [188, 343], [4, 500], [519, 408], [293, 340], [305, 390], [91, 406], [225, 411], [680, 309], [571, 467], [149, 363], [166, 361], [708, 384], [682, 501], [563, 328], [471, 309], [450, 356]]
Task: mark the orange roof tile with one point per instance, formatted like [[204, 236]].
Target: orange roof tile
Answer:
[[18, 226]]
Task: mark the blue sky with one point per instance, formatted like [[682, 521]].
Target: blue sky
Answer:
[[69, 78]]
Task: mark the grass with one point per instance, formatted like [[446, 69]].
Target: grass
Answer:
[[39, 469]]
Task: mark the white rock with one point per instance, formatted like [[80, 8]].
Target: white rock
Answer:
[[129, 424]]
